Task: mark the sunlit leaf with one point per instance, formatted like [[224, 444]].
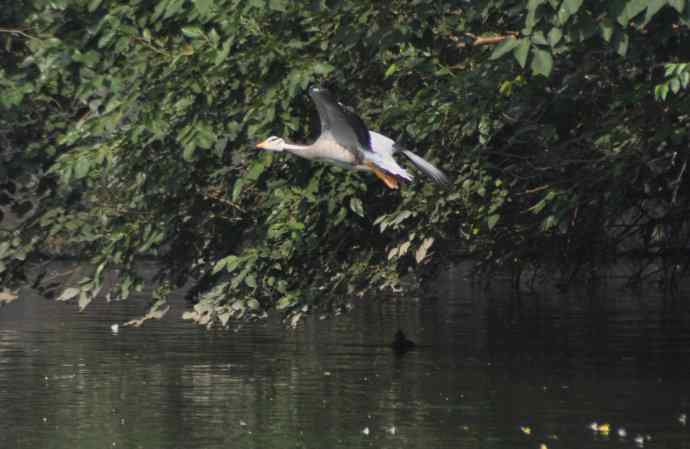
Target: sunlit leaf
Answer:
[[84, 300], [504, 47], [192, 31], [492, 220], [204, 6], [421, 252], [679, 5], [68, 294], [356, 206], [653, 7], [555, 36], [542, 62], [7, 296], [521, 51], [573, 5]]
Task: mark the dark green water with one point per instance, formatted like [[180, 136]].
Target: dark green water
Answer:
[[488, 367]]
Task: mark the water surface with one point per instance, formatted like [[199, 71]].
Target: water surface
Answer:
[[492, 371]]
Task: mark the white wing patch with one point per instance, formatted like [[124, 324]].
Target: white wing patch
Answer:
[[382, 155], [383, 150], [381, 144]]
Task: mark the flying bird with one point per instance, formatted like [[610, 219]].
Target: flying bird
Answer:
[[346, 142]]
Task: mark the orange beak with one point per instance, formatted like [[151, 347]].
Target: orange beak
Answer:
[[261, 145]]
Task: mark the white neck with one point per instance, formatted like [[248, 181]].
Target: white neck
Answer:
[[305, 151]]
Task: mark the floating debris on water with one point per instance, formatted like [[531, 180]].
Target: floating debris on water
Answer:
[[115, 328], [603, 428], [366, 431], [622, 433], [683, 419], [639, 440], [526, 430], [391, 430]]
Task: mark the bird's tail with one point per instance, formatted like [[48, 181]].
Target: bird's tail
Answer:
[[426, 167]]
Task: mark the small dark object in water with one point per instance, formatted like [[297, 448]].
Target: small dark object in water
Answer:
[[401, 344]]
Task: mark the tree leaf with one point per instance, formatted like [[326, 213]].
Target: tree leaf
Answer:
[[81, 168], [356, 206], [522, 51], [278, 5], [94, 4], [421, 252], [7, 296], [504, 47], [531, 19], [492, 220], [653, 7], [607, 28], [572, 5], [555, 36], [402, 249], [204, 6], [250, 281], [679, 5], [84, 300], [68, 294], [539, 38], [631, 10], [542, 62], [391, 70], [622, 43], [192, 31]]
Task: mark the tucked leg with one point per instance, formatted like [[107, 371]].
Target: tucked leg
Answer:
[[390, 181]]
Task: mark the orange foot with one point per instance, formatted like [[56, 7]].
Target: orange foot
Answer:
[[390, 181]]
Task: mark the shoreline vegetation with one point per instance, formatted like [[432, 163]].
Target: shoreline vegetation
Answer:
[[128, 130]]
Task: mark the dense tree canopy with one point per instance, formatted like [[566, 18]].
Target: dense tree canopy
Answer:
[[127, 130]]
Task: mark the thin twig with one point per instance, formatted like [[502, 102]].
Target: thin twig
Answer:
[[16, 31], [482, 40], [147, 44]]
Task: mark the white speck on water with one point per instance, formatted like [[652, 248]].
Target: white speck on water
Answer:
[[392, 430], [366, 431], [115, 328], [622, 433], [243, 424], [683, 419], [639, 440]]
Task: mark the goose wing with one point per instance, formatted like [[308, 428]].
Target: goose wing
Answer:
[[343, 125]]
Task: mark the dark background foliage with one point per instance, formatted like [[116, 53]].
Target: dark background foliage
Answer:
[[127, 130]]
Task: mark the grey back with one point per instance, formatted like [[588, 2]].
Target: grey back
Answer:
[[344, 126]]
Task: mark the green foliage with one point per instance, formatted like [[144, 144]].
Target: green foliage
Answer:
[[127, 130], [677, 77]]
